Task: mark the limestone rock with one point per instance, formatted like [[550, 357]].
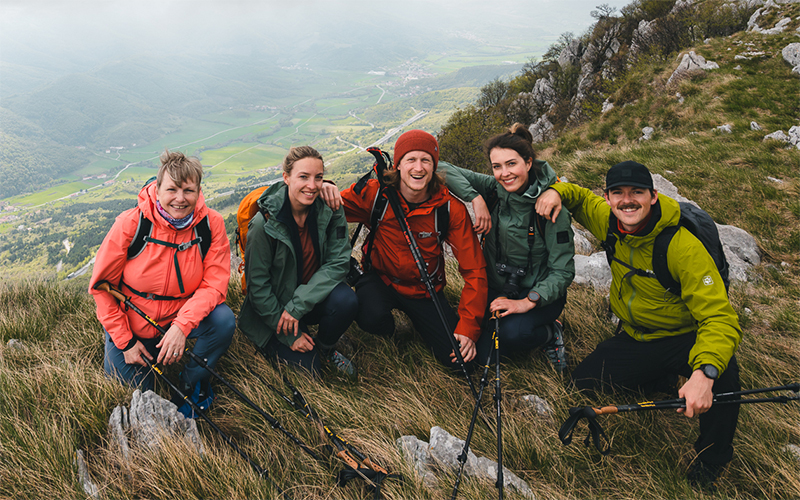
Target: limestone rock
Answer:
[[118, 425], [692, 62], [91, 489], [794, 136], [640, 38], [755, 126], [539, 405], [726, 128], [607, 106], [780, 27], [779, 135], [794, 450], [583, 245], [664, 186], [445, 450], [593, 270], [647, 133], [16, 344], [570, 55], [417, 452], [542, 130], [149, 420], [791, 54]]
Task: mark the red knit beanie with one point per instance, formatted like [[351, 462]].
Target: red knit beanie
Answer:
[[416, 140]]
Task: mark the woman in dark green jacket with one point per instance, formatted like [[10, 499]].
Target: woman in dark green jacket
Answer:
[[296, 259], [529, 259]]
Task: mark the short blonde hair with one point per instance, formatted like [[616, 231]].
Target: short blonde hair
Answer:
[[180, 168]]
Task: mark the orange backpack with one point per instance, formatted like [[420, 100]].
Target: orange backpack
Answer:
[[248, 208]]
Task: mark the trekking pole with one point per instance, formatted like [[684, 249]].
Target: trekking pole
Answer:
[[462, 458], [353, 459], [590, 413], [259, 470], [383, 161], [498, 398], [106, 286]]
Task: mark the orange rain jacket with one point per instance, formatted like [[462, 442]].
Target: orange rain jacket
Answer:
[[153, 271], [392, 261]]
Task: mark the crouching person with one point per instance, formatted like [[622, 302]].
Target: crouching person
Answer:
[[296, 258], [178, 275], [392, 279]]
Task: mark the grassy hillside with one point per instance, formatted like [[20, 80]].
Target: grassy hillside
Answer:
[[56, 399]]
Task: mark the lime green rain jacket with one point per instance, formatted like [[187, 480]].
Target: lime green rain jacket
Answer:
[[647, 310], [550, 268], [271, 267]]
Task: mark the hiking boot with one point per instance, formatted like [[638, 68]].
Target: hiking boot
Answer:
[[554, 348], [202, 396], [336, 360], [704, 476]]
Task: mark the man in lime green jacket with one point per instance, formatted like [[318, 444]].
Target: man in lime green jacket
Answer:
[[694, 334]]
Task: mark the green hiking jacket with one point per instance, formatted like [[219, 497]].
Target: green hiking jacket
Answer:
[[271, 266], [647, 310], [549, 262]]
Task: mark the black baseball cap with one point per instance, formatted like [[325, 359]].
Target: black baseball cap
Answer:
[[629, 173]]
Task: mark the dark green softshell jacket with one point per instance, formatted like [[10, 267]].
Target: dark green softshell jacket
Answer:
[[271, 267], [647, 310], [551, 267]]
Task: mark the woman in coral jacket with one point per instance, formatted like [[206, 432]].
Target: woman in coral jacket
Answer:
[[169, 279]]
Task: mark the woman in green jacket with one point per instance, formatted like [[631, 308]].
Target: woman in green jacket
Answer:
[[529, 259], [296, 259]]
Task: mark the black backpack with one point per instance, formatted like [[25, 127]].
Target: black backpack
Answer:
[[700, 224]]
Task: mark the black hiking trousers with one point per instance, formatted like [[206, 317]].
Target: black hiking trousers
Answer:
[[376, 301], [622, 362]]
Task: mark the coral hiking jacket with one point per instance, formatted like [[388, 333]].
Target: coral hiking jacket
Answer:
[[391, 258], [153, 271]]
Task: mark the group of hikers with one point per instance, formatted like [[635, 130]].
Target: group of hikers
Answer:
[[172, 255]]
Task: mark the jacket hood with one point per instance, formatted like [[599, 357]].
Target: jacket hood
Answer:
[[147, 204]]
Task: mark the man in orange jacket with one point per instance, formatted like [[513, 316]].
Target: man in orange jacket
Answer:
[[392, 279]]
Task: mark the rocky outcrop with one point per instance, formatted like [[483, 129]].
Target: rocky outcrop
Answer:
[[792, 138], [791, 54], [441, 454], [91, 489], [641, 39], [780, 26], [692, 62], [542, 130], [150, 420], [593, 271]]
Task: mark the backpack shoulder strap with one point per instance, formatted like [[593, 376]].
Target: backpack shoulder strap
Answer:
[[660, 266], [442, 223], [202, 230], [379, 206], [144, 228]]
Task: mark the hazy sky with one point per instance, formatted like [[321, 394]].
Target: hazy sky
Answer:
[[111, 28]]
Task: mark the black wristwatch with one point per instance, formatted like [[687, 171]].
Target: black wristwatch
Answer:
[[534, 297], [710, 371]]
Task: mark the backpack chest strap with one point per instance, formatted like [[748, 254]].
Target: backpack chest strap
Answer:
[[179, 247]]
